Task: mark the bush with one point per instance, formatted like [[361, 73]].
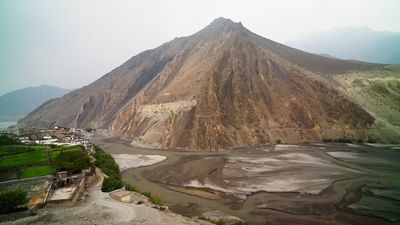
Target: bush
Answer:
[[73, 161], [153, 198], [111, 184], [279, 141], [130, 187], [13, 200], [89, 129]]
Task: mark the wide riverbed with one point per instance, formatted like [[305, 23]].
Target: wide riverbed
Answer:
[[284, 184]]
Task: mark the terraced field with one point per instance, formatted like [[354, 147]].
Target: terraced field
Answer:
[[24, 161]]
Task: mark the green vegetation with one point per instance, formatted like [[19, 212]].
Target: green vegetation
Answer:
[[370, 139], [89, 129], [24, 161], [218, 222], [36, 171], [393, 68], [14, 149], [106, 163], [38, 155], [72, 161], [109, 167], [342, 140], [6, 140], [114, 181], [13, 200], [153, 198], [111, 183]]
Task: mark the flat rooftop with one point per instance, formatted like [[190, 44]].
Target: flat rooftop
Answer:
[[63, 193]]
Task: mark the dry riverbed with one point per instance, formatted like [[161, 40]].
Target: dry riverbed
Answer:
[[284, 184]]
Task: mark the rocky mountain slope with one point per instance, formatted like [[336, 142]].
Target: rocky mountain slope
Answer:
[[221, 87]]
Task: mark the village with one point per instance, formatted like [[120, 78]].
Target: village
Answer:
[[74, 189], [60, 187]]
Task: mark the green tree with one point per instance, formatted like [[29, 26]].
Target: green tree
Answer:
[[13, 200], [6, 140], [72, 161]]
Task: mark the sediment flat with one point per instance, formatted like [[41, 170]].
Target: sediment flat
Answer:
[[317, 183]]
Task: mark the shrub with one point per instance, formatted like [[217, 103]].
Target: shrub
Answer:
[[153, 198], [111, 183], [13, 200], [279, 141], [89, 129], [130, 187]]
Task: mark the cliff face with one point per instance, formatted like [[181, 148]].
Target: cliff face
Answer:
[[221, 87]]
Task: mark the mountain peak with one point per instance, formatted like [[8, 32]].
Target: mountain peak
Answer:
[[222, 22], [222, 87]]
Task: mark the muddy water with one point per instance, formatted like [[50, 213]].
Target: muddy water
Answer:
[[169, 197], [277, 208]]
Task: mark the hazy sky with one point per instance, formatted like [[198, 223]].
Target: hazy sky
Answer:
[[71, 43]]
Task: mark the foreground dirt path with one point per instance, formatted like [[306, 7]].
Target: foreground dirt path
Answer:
[[99, 209]]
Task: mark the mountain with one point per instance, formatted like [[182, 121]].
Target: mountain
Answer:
[[219, 88], [18, 103], [357, 43]]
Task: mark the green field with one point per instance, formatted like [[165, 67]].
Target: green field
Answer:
[[39, 155], [36, 171], [24, 161]]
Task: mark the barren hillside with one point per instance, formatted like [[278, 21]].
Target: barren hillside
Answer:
[[221, 87]]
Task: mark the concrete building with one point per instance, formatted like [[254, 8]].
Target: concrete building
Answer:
[[121, 195]]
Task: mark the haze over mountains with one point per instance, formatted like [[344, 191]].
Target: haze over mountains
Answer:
[[224, 87], [358, 43], [17, 104]]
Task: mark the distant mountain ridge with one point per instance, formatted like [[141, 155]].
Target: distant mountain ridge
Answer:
[[16, 104], [356, 43]]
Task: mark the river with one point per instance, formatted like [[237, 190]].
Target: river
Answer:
[[331, 206]]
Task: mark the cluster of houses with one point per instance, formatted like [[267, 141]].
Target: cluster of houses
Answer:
[[61, 188], [54, 136]]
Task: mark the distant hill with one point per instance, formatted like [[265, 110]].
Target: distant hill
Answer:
[[17, 104], [358, 43]]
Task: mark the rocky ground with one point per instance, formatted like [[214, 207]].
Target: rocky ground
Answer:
[[99, 209]]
